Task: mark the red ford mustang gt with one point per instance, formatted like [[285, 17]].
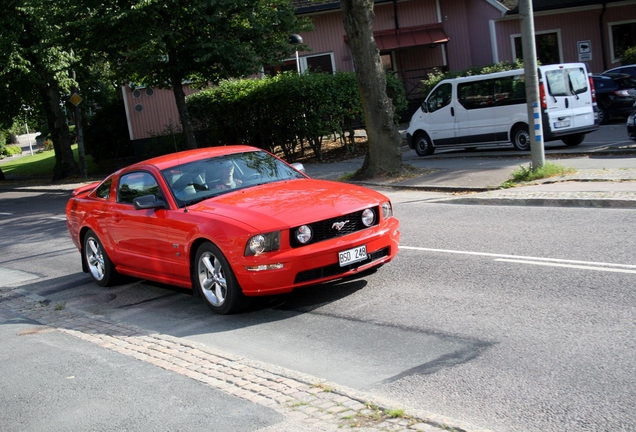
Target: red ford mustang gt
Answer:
[[229, 223]]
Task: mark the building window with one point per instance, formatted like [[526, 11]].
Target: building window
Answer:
[[387, 61], [547, 44], [319, 63], [622, 36]]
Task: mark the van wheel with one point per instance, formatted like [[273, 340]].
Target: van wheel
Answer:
[[521, 138], [573, 140], [423, 146]]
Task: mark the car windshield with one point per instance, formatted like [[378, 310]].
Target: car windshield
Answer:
[[206, 178]]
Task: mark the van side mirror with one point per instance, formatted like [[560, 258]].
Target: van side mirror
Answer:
[[424, 106]]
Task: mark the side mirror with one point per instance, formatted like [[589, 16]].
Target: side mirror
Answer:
[[148, 202], [424, 106], [298, 167]]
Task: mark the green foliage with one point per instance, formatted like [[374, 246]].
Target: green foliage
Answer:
[[170, 140], [285, 111], [629, 56], [527, 174], [9, 150], [434, 78], [106, 135]]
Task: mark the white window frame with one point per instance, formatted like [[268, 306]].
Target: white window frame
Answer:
[[610, 36], [518, 35], [303, 60]]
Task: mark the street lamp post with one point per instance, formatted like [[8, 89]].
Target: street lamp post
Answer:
[[296, 39]]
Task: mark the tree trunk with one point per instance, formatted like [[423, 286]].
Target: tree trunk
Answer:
[[184, 115], [384, 156], [65, 164]]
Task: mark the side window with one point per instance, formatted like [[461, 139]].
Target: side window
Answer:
[[578, 80], [440, 97], [476, 94], [510, 90], [103, 191], [134, 185]]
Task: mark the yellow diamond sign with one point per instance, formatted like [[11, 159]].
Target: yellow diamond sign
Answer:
[[75, 99]]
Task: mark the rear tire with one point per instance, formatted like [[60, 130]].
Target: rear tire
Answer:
[[422, 144], [573, 140], [215, 282], [521, 138], [603, 117], [97, 261]]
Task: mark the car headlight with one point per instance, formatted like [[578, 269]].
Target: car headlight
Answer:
[[368, 217], [387, 210], [303, 234], [262, 243]]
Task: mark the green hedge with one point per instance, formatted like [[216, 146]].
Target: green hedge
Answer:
[[286, 111], [629, 56]]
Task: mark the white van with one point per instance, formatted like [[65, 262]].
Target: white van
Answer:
[[491, 109]]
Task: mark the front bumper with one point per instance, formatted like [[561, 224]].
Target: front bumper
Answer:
[[318, 263]]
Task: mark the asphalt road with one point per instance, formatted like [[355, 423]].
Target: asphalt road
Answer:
[[510, 318]]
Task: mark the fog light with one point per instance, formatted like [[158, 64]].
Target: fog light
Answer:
[[264, 267]]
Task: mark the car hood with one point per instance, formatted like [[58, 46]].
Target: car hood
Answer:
[[290, 203]]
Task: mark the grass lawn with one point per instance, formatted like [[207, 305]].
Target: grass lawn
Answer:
[[40, 165]]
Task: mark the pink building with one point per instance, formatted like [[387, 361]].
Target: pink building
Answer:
[[417, 36]]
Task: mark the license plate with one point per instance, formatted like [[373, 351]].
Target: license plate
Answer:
[[561, 124], [352, 255]]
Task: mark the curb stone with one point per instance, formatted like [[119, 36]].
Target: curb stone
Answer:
[[322, 405]]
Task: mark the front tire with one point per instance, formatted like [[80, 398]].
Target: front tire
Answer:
[[98, 263], [521, 138], [422, 144], [573, 140], [603, 117], [215, 282]]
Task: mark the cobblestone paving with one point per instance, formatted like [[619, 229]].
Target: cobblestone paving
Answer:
[[314, 403]]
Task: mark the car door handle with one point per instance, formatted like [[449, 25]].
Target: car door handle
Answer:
[[453, 111], [567, 103], [116, 218]]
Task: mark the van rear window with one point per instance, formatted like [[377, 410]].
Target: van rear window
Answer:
[[566, 82]]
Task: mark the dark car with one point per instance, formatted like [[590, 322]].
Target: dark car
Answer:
[[615, 96], [627, 69], [631, 126]]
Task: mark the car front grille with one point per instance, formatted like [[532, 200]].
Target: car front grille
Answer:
[[334, 227], [335, 269]]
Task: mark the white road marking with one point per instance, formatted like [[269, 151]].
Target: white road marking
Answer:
[[588, 265], [607, 269], [5, 214]]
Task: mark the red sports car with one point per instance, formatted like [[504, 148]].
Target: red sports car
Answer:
[[229, 223]]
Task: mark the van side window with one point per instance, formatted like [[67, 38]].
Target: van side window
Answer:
[[476, 94], [578, 80], [440, 97], [510, 90]]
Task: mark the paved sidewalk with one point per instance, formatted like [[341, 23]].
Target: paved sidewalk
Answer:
[[308, 404]]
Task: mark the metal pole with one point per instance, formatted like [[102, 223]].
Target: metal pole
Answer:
[[532, 83], [29, 137], [297, 63]]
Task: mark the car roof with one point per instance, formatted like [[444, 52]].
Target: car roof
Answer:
[[178, 158]]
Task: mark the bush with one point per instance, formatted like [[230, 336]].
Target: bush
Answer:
[[434, 78], [106, 136], [286, 111], [10, 150], [629, 56]]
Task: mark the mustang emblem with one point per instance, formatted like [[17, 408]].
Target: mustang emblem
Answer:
[[339, 225]]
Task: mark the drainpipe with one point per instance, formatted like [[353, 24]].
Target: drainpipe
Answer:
[[395, 12], [600, 24]]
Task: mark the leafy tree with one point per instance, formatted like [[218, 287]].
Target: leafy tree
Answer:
[[164, 43], [34, 73], [384, 156]]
